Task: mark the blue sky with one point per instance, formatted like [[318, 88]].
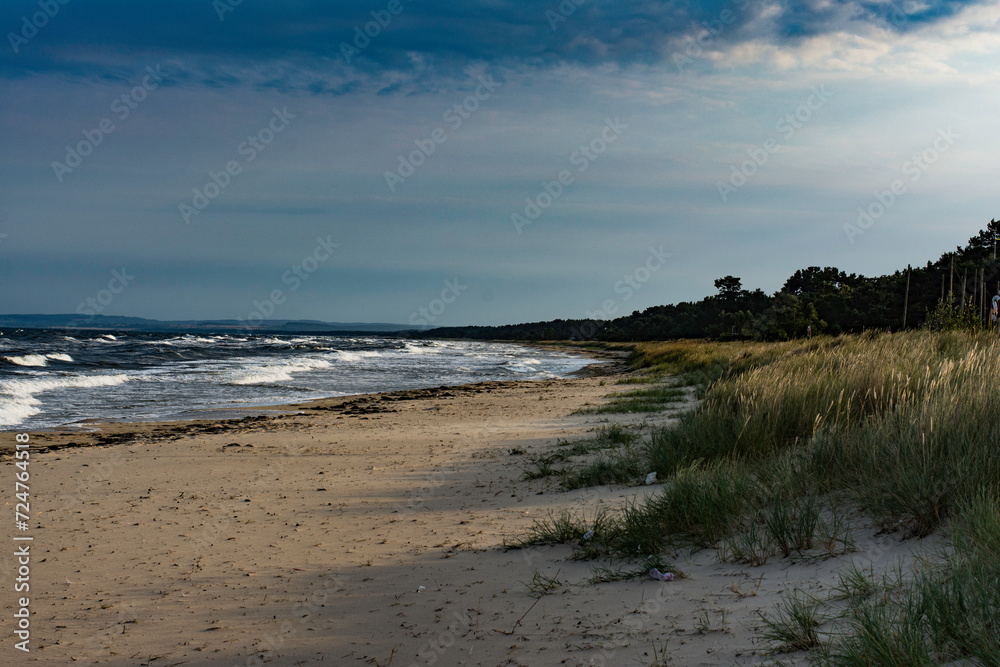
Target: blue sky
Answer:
[[361, 161]]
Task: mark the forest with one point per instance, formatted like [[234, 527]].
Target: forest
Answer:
[[952, 292]]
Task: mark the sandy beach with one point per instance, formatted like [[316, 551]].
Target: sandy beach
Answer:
[[364, 531]]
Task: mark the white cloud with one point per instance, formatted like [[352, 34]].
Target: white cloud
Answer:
[[941, 49]]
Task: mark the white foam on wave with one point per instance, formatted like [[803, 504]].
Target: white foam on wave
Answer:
[[58, 356], [277, 372], [28, 360], [300, 340], [420, 348], [518, 367], [355, 355], [18, 399], [200, 339]]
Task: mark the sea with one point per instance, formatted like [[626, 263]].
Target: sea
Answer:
[[60, 378]]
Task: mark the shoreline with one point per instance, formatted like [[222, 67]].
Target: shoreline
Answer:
[[99, 432], [362, 530], [603, 362]]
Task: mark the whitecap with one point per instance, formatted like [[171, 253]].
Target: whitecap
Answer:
[[18, 401], [355, 355], [276, 373], [28, 360]]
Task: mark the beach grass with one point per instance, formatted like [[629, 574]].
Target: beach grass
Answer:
[[904, 427], [793, 625], [652, 399], [618, 459], [621, 466]]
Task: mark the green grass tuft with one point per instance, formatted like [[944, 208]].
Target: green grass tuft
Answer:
[[653, 399], [793, 625]]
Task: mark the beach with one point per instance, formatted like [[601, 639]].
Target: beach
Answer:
[[367, 530]]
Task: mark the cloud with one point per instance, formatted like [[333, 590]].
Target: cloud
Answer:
[[322, 48], [940, 49]]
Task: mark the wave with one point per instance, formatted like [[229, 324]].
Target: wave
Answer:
[[271, 340], [358, 355], [304, 340], [202, 339], [275, 373], [28, 360], [18, 401], [16, 412], [417, 348], [169, 373]]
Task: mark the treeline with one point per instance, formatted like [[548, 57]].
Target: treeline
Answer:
[[827, 300]]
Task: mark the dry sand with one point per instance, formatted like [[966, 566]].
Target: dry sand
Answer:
[[362, 531]]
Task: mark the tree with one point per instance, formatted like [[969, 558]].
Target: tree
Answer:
[[730, 288], [815, 282], [788, 317]]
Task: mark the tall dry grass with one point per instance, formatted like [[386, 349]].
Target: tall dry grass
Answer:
[[905, 425]]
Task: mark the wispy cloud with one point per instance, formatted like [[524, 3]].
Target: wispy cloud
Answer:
[[301, 46]]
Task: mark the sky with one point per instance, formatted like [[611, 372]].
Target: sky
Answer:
[[480, 162]]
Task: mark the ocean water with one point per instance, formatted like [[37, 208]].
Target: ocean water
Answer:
[[54, 378]]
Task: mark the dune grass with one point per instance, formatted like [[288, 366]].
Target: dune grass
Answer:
[[618, 460], [948, 610], [653, 399], [905, 427]]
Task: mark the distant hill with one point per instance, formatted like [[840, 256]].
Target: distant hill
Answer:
[[103, 322]]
